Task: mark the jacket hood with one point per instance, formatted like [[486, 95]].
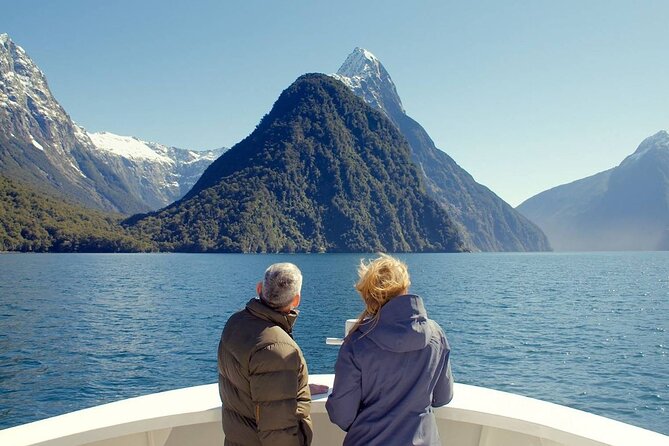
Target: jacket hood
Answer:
[[402, 326], [284, 320]]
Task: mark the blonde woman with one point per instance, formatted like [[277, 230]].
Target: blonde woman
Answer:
[[393, 367]]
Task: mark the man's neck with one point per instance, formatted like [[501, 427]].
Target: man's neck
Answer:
[[283, 310]]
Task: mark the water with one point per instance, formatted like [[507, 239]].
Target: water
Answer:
[[585, 330]]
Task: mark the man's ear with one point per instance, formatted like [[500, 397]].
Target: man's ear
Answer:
[[259, 288], [296, 301]]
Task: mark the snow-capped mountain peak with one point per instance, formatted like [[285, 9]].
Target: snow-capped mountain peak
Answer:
[[34, 120], [23, 84], [361, 63], [364, 73], [491, 223], [660, 140], [655, 143]]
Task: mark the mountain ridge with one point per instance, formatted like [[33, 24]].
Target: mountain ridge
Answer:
[[156, 173], [623, 208], [41, 145], [490, 224]]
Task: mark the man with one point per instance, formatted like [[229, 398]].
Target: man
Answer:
[[262, 374]]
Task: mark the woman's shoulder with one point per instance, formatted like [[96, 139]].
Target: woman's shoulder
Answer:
[[438, 331], [353, 337], [435, 325], [358, 341]]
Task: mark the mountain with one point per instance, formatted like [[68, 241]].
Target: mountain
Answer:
[[623, 208], [157, 174], [323, 171], [41, 145], [32, 221], [489, 222]]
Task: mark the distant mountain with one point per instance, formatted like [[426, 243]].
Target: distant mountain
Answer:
[[41, 145], [32, 221], [157, 174], [624, 208], [322, 171], [489, 222]]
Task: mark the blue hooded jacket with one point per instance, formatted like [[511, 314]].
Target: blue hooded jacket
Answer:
[[389, 376]]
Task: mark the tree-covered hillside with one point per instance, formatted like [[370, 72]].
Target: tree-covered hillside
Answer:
[[33, 221], [322, 172]]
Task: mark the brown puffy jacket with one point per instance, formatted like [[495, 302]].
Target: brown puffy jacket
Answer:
[[263, 380]]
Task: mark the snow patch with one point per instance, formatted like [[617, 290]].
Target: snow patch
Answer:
[[36, 144], [368, 55], [80, 132], [127, 147], [204, 155], [657, 142], [77, 169]]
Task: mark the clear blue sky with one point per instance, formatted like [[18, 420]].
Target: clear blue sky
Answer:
[[525, 95]]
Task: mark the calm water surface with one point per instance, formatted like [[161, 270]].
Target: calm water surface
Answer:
[[585, 330]]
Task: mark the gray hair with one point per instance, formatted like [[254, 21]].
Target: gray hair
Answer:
[[283, 281]]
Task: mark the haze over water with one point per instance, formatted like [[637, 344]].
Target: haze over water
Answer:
[[585, 330]]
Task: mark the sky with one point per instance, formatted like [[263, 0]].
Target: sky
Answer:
[[524, 95]]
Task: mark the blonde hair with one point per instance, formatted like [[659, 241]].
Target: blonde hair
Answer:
[[379, 281]]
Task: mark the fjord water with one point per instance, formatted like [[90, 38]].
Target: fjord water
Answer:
[[589, 331]]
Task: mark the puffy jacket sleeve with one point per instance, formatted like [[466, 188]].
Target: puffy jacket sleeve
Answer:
[[443, 391], [274, 373], [343, 403]]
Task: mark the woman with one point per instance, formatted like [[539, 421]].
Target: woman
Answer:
[[393, 366]]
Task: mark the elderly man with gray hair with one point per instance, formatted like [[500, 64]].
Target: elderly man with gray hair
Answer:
[[262, 374]]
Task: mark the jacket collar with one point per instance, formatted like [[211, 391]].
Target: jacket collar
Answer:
[[284, 320]]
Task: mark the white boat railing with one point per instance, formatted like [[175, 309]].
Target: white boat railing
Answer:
[[192, 416]]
